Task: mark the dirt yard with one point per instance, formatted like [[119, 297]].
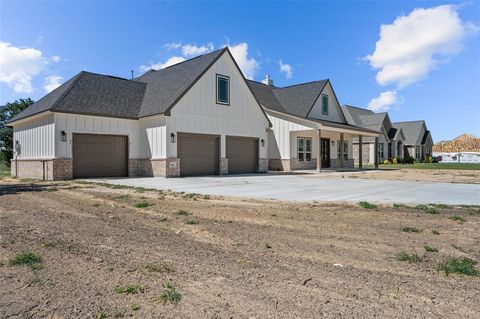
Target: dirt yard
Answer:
[[430, 175], [104, 257]]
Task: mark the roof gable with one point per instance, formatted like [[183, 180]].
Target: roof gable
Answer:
[[412, 131], [366, 118]]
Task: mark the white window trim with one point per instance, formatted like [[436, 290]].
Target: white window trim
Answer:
[[345, 153], [304, 152], [328, 106]]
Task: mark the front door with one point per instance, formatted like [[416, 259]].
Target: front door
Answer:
[[325, 150]]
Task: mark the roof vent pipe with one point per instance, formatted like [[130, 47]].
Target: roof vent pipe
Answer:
[[267, 80]]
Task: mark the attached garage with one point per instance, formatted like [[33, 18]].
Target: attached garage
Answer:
[[199, 154], [96, 155], [242, 154]]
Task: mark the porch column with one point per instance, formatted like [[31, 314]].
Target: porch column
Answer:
[[375, 156], [319, 151], [360, 151], [341, 150]]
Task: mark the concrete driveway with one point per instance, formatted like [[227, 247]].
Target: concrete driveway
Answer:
[[309, 187]]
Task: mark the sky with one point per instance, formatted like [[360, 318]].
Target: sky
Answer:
[[417, 60]]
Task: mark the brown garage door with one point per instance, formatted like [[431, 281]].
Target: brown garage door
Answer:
[[97, 155], [199, 154], [242, 154]]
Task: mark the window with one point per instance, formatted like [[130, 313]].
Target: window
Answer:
[[345, 150], [380, 151], [223, 89], [324, 104], [304, 149], [417, 152]]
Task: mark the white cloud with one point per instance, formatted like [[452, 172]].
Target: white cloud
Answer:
[[158, 66], [248, 65], [286, 68], [414, 44], [383, 101], [172, 45], [52, 82], [56, 58], [189, 50], [19, 65]]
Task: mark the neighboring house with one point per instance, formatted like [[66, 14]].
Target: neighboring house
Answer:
[[197, 117], [390, 142], [308, 124], [418, 139]]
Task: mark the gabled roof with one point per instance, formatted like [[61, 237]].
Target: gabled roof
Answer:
[[364, 118], [166, 87], [154, 92], [411, 130], [93, 94], [295, 100]]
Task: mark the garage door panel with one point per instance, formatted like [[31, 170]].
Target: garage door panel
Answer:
[[96, 155], [198, 153], [242, 154]]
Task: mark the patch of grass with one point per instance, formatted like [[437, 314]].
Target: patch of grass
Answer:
[[4, 170], [123, 197], [457, 218], [206, 196], [143, 204], [129, 289], [170, 294], [429, 248], [160, 266], [435, 232], [410, 258], [29, 259], [268, 246], [455, 166], [465, 266], [431, 210], [51, 189], [135, 306], [102, 314], [191, 222], [191, 196], [367, 205], [410, 229], [396, 205], [182, 212], [421, 206], [441, 206]]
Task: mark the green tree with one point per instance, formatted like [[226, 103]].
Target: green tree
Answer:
[[7, 112]]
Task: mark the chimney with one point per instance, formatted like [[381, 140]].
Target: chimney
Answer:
[[267, 80]]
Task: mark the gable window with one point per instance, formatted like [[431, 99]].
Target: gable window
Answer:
[[223, 89], [324, 104], [304, 149], [345, 150]]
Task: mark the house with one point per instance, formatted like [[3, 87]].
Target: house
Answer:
[[389, 143], [308, 124], [197, 117], [418, 139]]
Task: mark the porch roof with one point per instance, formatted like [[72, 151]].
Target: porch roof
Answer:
[[322, 124]]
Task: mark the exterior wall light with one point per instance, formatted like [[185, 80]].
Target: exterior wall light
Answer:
[[63, 136], [172, 137], [262, 142]]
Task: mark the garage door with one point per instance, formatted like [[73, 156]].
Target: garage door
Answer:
[[242, 154], [199, 154], [99, 155]]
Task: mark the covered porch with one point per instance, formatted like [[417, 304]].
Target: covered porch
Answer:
[[297, 144]]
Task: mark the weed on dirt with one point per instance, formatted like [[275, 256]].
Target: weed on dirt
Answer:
[[464, 266], [170, 295], [367, 205]]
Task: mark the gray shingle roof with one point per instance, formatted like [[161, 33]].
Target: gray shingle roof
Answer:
[[296, 100], [411, 130], [166, 86], [363, 117], [154, 92]]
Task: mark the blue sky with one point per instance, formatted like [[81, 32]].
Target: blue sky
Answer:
[[424, 72]]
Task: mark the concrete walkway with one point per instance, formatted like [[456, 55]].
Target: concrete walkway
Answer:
[[308, 187]]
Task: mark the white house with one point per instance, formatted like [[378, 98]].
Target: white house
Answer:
[[308, 124], [197, 117]]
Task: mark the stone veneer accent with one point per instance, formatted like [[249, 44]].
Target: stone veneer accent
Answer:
[[48, 169], [223, 166], [169, 167], [335, 163], [279, 165], [296, 164], [365, 153], [263, 165]]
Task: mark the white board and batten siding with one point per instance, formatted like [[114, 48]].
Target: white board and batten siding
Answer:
[[73, 123], [280, 139], [36, 137], [334, 112], [198, 112]]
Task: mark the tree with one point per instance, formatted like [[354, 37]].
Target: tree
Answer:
[[7, 112]]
